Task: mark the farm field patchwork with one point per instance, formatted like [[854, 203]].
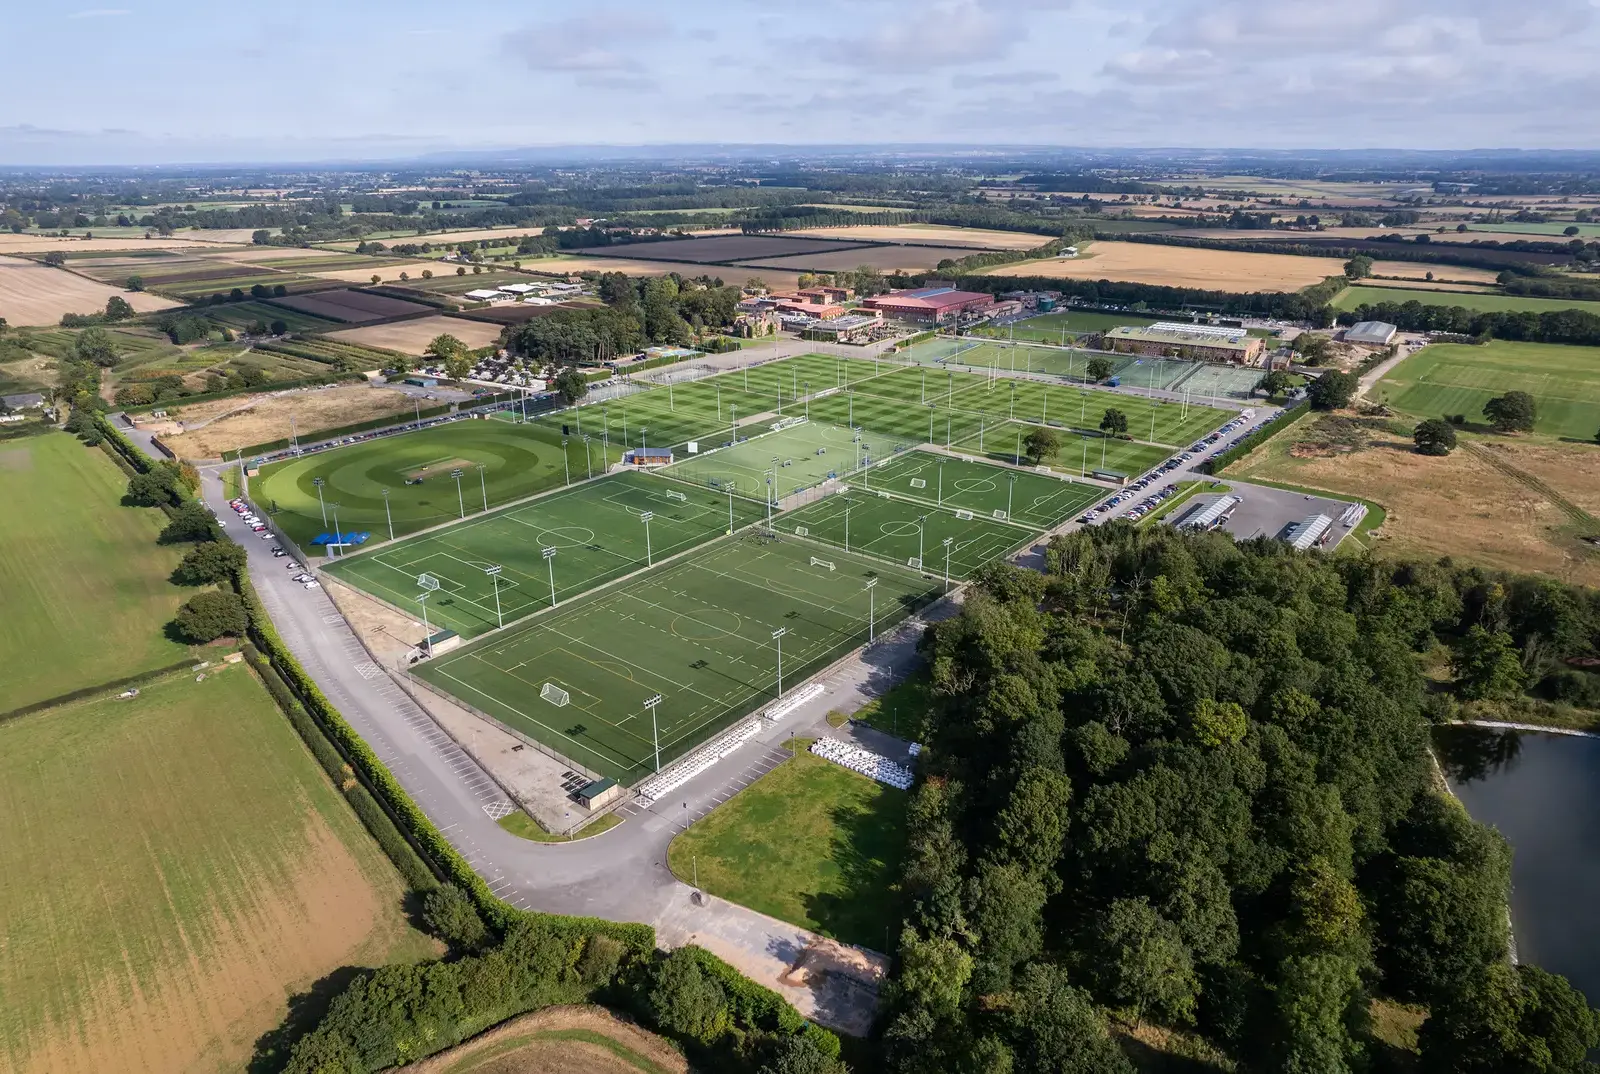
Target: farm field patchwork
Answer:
[[937, 234], [175, 866], [35, 294], [1355, 297], [519, 461], [709, 251], [412, 337], [596, 529], [1455, 378], [1181, 266], [80, 570], [244, 314], [1030, 499], [697, 631]]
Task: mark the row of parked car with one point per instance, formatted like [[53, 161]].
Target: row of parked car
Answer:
[[256, 523], [1211, 446]]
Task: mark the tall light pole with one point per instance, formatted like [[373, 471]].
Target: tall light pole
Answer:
[[338, 536], [777, 636], [550, 561], [1011, 489], [1016, 460], [566, 467], [588, 463], [493, 571], [730, 506], [655, 732], [649, 559], [483, 486], [733, 426], [387, 516], [808, 400], [948, 541], [428, 584], [460, 499], [941, 483], [848, 503], [317, 481], [770, 477], [922, 524], [872, 610]]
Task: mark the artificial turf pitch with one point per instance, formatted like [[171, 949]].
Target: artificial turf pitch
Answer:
[[697, 631], [799, 457], [1024, 497], [1075, 454], [596, 528], [901, 531]]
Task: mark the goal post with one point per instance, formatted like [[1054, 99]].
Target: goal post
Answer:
[[919, 483], [815, 562], [965, 516], [803, 531], [674, 494], [554, 694]]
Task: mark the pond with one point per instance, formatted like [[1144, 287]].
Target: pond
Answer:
[[1543, 792]]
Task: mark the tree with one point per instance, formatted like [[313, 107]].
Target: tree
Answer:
[[1332, 390], [1571, 230], [1510, 1020], [278, 328], [208, 562], [55, 259], [1099, 368], [190, 521], [571, 385], [451, 916], [458, 366], [152, 489], [1486, 665], [1040, 444], [118, 309], [95, 345], [1274, 383], [376, 278], [804, 1053], [461, 270], [1143, 966], [444, 345], [261, 237], [686, 1000], [1218, 723], [134, 283], [208, 616], [1435, 436], [1358, 267], [1056, 1028], [1513, 412], [1114, 422]]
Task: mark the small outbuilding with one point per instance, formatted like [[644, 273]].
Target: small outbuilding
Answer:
[[598, 795]]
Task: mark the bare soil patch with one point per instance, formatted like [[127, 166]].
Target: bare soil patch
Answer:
[[515, 1047], [722, 248], [929, 234], [413, 337], [352, 306], [33, 244], [882, 258], [252, 254], [224, 425], [1181, 266], [35, 294], [387, 271]]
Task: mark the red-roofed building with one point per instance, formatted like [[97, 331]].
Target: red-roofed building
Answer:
[[931, 305]]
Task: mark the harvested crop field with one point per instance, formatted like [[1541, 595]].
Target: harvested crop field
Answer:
[[882, 258], [559, 1040], [388, 271], [721, 248], [1181, 266], [413, 337], [930, 234], [1418, 270], [34, 244], [731, 274], [353, 307], [1431, 285], [224, 425], [259, 254], [444, 237], [35, 294]]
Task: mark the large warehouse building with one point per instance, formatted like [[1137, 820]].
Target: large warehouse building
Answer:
[[1204, 342], [930, 305]]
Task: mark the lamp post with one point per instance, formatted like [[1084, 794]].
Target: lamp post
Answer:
[[922, 524], [733, 426], [460, 499], [649, 560], [483, 486], [428, 584], [948, 541], [566, 467], [655, 732], [386, 515], [1011, 488], [848, 503], [1016, 460], [493, 571], [730, 507], [872, 609], [770, 478], [941, 483], [588, 463], [338, 535], [550, 561], [808, 400], [777, 636], [317, 481]]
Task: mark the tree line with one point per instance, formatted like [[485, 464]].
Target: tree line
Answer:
[[1183, 781], [1572, 326], [668, 309]]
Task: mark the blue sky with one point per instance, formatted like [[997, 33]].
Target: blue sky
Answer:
[[142, 81]]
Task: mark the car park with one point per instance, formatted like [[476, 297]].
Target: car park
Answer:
[[313, 584]]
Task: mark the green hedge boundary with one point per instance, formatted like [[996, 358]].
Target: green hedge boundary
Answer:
[[99, 688], [1257, 438]]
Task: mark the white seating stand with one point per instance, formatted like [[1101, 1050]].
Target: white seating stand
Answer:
[[869, 764]]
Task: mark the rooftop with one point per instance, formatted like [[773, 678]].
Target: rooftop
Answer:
[[1184, 336], [1370, 332]]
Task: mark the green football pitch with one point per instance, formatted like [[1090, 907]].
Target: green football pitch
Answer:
[[1025, 497], [698, 632], [517, 460], [1076, 454], [903, 531], [799, 457], [596, 528], [1455, 378]]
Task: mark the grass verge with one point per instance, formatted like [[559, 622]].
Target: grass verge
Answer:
[[523, 826]]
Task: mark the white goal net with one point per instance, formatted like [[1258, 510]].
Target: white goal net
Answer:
[[965, 516], [803, 531], [919, 483], [914, 562], [1001, 515], [815, 562], [674, 494], [554, 694]]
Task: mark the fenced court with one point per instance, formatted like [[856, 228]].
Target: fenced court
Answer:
[[597, 530], [901, 531], [1077, 454], [697, 632], [799, 457], [1204, 380], [1031, 499], [1160, 373]]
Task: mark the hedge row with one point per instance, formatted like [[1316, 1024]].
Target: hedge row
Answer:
[[99, 688], [752, 1004], [1258, 437], [228, 393], [348, 430]]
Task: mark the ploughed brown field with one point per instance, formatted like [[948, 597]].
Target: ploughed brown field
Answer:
[[719, 248], [882, 258], [35, 294], [352, 307], [413, 337]]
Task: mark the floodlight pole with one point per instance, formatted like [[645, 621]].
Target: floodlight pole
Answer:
[[851, 392], [387, 516], [941, 484], [808, 400], [460, 498], [655, 732], [948, 541], [566, 468], [777, 636], [730, 507], [550, 561], [924, 385], [338, 537], [1016, 460], [872, 610], [588, 463], [733, 426], [317, 481], [493, 572], [427, 631], [847, 505], [649, 560], [922, 521], [770, 478], [719, 399], [930, 425], [1010, 491], [483, 486]]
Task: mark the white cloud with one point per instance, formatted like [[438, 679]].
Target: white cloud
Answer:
[[100, 13]]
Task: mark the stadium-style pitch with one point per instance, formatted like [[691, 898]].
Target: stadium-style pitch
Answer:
[[698, 632], [598, 531]]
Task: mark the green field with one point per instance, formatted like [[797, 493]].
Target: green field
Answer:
[[1047, 327], [796, 458], [1455, 378], [595, 527], [519, 460], [899, 531], [1027, 498], [810, 843], [1077, 454], [244, 314], [697, 631], [1353, 297], [175, 866], [85, 584]]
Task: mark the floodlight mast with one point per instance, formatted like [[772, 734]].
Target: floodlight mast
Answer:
[[872, 610], [948, 541], [649, 560], [317, 481], [460, 499], [777, 636], [655, 732], [566, 469], [428, 584], [387, 516], [550, 561], [493, 571]]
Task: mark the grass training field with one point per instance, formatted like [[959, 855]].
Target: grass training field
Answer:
[[698, 631], [1048, 327], [1077, 454], [596, 529], [1027, 498], [1353, 297], [796, 458], [174, 867], [810, 843], [518, 461], [896, 530], [81, 574], [1456, 378]]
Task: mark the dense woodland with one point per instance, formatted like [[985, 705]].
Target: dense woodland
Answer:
[[1183, 781], [668, 309]]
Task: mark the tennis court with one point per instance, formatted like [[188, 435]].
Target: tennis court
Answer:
[[798, 457], [1024, 497], [697, 632], [598, 531], [905, 531]]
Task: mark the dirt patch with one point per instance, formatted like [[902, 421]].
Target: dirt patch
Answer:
[[234, 423], [1182, 266], [413, 337], [516, 1047], [35, 294]]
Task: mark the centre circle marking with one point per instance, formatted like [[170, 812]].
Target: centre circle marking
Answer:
[[976, 484], [567, 536], [898, 529], [707, 625]]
